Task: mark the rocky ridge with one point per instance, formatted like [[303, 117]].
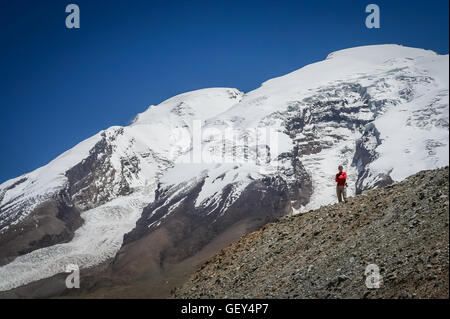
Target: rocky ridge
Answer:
[[403, 229]]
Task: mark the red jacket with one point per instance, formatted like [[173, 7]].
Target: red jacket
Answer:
[[341, 178]]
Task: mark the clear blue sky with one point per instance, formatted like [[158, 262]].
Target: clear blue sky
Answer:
[[60, 86]]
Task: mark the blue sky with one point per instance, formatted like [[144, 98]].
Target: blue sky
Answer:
[[60, 86]]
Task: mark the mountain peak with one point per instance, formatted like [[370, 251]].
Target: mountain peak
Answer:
[[199, 104], [148, 190], [381, 51]]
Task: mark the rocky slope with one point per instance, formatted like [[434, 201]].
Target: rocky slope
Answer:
[[402, 228]]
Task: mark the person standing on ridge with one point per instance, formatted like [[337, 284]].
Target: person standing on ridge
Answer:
[[341, 186]]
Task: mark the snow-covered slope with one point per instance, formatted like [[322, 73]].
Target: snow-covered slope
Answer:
[[381, 111], [116, 167], [21, 195], [213, 157], [133, 156]]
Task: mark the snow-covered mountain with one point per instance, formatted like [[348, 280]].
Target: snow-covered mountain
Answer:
[[200, 169]]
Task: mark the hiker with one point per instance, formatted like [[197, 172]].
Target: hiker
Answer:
[[341, 186]]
